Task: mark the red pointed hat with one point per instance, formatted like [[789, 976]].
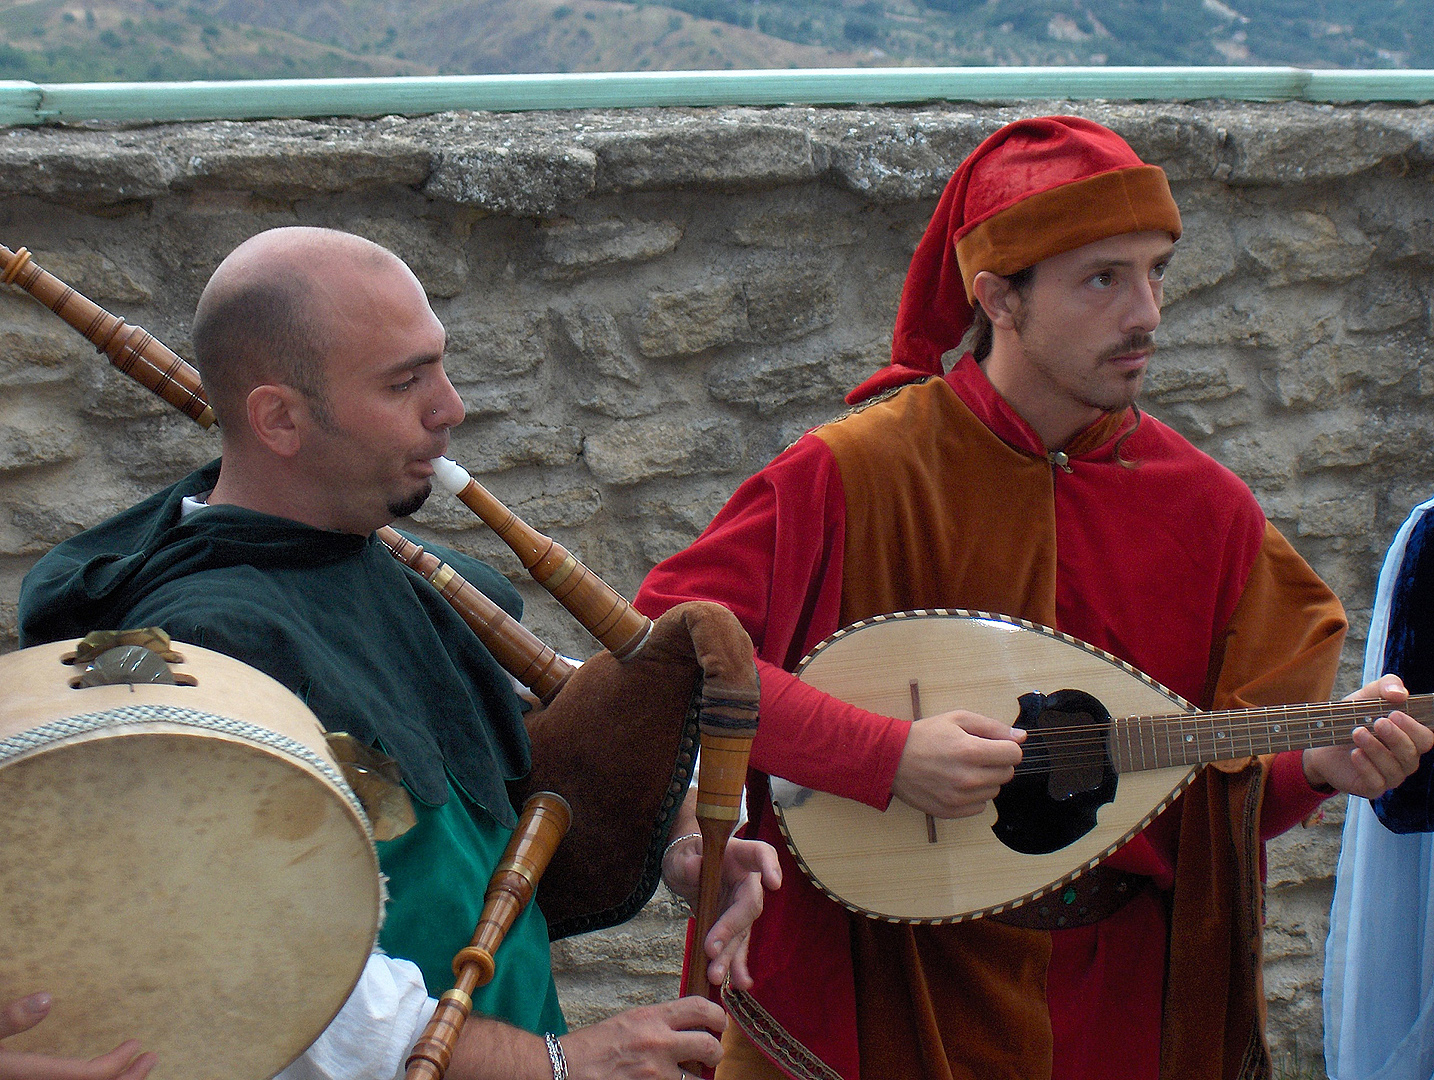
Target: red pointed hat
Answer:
[[1034, 189]]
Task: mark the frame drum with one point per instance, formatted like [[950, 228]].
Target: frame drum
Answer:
[[180, 864]]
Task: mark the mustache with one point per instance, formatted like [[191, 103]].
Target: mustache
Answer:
[[1137, 342]]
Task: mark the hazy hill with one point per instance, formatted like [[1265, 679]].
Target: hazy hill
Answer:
[[73, 40]]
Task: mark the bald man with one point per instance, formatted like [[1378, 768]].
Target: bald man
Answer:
[[324, 364]]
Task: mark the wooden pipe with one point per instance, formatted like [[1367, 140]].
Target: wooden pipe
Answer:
[[150, 363], [520, 652], [618, 626], [132, 349], [726, 742], [544, 822]]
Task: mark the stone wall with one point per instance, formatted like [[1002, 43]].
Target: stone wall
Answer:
[[645, 306]]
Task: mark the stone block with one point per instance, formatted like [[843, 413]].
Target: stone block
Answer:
[[490, 446], [569, 249], [36, 348], [648, 449], [88, 170], [155, 453], [493, 344], [688, 321], [104, 394], [599, 373], [1385, 301], [93, 275], [800, 227], [786, 302], [687, 149], [1327, 368], [1191, 375], [437, 260], [1340, 517], [889, 157], [639, 963], [1259, 457], [291, 158], [1301, 245], [520, 180], [1205, 256], [771, 383], [1398, 215], [36, 436], [568, 508], [1307, 142]]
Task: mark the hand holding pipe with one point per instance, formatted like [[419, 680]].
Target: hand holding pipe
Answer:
[[544, 822]]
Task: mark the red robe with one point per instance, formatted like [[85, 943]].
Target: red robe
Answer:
[[942, 496]]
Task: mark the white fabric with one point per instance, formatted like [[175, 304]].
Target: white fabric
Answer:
[[371, 1036], [1379, 959]]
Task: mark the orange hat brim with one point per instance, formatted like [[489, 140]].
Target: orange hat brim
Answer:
[[1067, 217]]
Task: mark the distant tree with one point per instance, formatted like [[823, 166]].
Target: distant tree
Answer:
[[861, 30]]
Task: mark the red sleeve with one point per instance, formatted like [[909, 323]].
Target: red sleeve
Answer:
[[773, 555], [1289, 799]]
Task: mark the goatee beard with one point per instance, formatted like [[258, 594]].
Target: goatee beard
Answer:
[[404, 507]]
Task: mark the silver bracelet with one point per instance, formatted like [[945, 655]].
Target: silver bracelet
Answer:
[[685, 836], [555, 1055]]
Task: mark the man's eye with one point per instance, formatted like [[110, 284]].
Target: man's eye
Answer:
[[1158, 273], [1104, 280], [407, 383]]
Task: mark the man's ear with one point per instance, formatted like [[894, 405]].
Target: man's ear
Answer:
[[997, 298], [276, 416]]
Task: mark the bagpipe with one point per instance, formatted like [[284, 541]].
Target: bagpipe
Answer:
[[615, 736]]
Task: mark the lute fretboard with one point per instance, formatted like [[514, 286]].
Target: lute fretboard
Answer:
[[1138, 743]]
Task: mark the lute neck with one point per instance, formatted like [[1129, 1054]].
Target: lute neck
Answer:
[[1138, 743]]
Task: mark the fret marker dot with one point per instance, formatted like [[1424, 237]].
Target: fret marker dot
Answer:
[[1275, 728], [1189, 738], [1319, 723]]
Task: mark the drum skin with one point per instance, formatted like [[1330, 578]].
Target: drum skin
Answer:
[[178, 864]]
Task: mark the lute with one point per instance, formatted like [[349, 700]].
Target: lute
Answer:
[[1108, 749]]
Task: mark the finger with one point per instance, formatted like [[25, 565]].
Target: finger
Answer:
[[118, 1062], [744, 904], [693, 1013], [698, 1046], [139, 1068], [23, 1014], [1380, 747], [740, 973], [986, 727], [752, 856], [1388, 687], [1392, 736], [1421, 736]]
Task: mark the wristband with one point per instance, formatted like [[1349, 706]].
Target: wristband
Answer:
[[555, 1056], [685, 836]]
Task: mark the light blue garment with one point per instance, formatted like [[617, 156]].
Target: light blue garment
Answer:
[[1379, 960]]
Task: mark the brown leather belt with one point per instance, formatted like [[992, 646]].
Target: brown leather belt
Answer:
[[1097, 894]]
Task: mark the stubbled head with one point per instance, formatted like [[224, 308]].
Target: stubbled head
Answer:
[[263, 317]]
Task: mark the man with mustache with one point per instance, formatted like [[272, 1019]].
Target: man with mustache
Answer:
[[1025, 481], [324, 364]]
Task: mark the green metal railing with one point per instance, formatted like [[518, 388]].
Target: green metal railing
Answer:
[[36, 103]]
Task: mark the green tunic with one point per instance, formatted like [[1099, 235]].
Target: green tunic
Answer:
[[373, 650]]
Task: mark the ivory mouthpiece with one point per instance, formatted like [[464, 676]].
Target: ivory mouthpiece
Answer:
[[451, 476]]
